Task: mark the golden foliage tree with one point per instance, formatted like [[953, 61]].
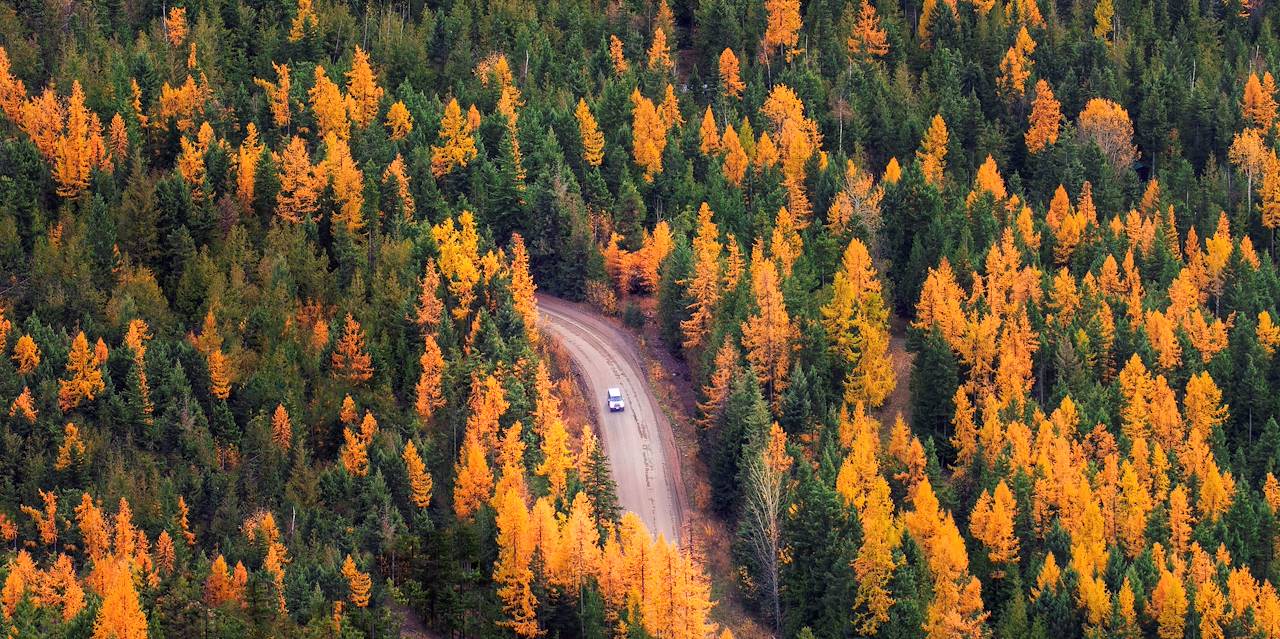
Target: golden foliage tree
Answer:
[[329, 107], [473, 483], [1045, 119], [419, 479], [704, 286], [281, 429], [363, 92], [556, 459], [708, 133], [458, 146], [933, 151], [428, 392], [856, 322], [1258, 104], [399, 123], [659, 55], [246, 161], [768, 335], [72, 448], [1107, 124], [1015, 67], [735, 157], [782, 29], [620, 65], [26, 355], [649, 135], [300, 183], [992, 524], [355, 446], [358, 583], [24, 407], [731, 83], [278, 95], [868, 39], [84, 374], [592, 138], [219, 374], [120, 615], [350, 361]]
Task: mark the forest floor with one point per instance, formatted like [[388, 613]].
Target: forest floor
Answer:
[[899, 401]]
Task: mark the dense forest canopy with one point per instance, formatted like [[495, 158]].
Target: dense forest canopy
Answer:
[[979, 300]]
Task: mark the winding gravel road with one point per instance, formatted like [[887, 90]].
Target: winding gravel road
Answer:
[[638, 440]]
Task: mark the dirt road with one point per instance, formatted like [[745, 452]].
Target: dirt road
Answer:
[[638, 440]]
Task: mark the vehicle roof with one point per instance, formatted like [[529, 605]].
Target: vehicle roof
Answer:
[[615, 391]]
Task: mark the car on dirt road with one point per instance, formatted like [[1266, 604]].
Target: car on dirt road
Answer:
[[615, 400]]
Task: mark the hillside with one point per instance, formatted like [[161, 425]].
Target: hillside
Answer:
[[978, 300]]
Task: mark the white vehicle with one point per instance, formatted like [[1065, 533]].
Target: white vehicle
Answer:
[[615, 400]]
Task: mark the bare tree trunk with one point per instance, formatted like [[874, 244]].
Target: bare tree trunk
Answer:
[[764, 532]]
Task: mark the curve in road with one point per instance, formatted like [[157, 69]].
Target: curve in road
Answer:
[[638, 440]]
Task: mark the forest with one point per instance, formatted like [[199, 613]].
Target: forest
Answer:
[[977, 302]]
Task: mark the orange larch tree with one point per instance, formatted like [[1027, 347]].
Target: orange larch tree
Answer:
[[278, 95], [84, 374], [354, 453], [24, 407], [782, 29], [708, 133], [875, 562], [659, 55], [46, 521], [620, 65], [347, 182], [704, 286], [1258, 104], [1015, 67], [26, 355], [1045, 119], [350, 361], [589, 130], [523, 289], [556, 458], [72, 448], [281, 429], [428, 392], [473, 483], [736, 160], [868, 40], [329, 107], [992, 524], [120, 615], [419, 479], [399, 123], [363, 92], [512, 570], [79, 145], [768, 335], [218, 586], [933, 151], [246, 161], [649, 135], [457, 147], [731, 84], [358, 583], [219, 375], [857, 323], [300, 183]]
